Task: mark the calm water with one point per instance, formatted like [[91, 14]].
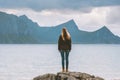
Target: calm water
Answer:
[[23, 62]]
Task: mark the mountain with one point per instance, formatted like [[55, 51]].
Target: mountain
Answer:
[[22, 30]]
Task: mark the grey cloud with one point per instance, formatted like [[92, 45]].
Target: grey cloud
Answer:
[[76, 4], [33, 4], [56, 4], [113, 16]]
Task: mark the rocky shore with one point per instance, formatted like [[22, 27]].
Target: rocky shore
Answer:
[[67, 76]]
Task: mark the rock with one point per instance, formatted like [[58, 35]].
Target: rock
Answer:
[[46, 77], [68, 76]]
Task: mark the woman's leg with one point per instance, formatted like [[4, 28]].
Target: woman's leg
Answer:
[[62, 56], [67, 60]]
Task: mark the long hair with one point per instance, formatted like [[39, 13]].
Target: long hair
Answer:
[[65, 34]]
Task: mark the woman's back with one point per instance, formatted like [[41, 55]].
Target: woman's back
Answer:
[[64, 42]]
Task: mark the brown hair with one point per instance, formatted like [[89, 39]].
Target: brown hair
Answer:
[[65, 34]]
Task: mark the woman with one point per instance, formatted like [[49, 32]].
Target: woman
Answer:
[[64, 46]]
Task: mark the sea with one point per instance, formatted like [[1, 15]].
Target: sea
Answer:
[[26, 61]]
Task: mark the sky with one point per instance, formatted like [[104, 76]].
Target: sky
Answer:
[[89, 15]]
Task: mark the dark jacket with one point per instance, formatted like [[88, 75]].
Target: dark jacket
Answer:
[[64, 44]]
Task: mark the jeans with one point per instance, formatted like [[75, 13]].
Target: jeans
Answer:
[[64, 56]]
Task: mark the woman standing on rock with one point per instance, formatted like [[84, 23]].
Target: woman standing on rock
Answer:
[[64, 46]]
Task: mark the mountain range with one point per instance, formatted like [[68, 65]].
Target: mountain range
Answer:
[[22, 30]]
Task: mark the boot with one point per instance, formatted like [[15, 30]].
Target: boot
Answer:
[[63, 70], [66, 70]]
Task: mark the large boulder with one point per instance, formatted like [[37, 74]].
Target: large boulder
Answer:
[[67, 76]]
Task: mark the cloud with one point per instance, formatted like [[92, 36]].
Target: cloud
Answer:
[[113, 16], [33, 4], [76, 4], [39, 5]]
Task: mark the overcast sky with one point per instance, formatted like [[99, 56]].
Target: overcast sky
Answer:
[[89, 15]]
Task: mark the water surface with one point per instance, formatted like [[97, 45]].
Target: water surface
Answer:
[[23, 62]]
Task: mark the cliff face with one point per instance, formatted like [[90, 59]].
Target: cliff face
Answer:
[[68, 76]]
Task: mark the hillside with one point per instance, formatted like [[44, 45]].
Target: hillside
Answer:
[[22, 30]]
